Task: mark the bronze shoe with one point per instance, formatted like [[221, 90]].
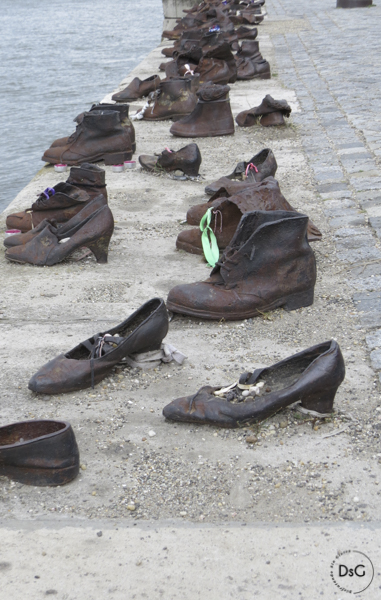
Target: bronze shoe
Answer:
[[268, 264], [60, 203], [260, 166], [92, 360], [310, 378], [51, 246], [212, 115], [39, 452], [187, 160]]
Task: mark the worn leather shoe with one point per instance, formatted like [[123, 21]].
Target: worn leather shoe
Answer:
[[187, 160]]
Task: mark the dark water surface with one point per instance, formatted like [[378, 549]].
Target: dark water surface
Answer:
[[56, 59]]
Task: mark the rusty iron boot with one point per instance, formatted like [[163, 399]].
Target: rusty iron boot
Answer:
[[212, 115], [174, 100], [137, 89], [92, 360], [310, 378], [268, 264], [227, 213], [260, 166], [39, 452], [23, 238], [51, 246], [60, 203], [187, 160], [90, 178], [100, 134]]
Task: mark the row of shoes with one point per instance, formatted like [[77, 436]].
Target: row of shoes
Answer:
[[266, 261]]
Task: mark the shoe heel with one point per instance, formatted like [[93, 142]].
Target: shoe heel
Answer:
[[295, 301], [100, 248], [321, 402]]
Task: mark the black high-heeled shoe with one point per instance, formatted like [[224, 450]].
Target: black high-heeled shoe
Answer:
[[310, 377], [50, 246]]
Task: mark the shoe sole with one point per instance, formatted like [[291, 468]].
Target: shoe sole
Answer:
[[38, 476], [291, 302]]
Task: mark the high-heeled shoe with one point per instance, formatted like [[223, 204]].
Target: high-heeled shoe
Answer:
[[50, 247], [39, 452], [311, 377], [92, 360], [21, 239]]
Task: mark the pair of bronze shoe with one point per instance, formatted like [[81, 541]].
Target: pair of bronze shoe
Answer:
[[47, 244], [310, 378], [269, 113], [64, 200]]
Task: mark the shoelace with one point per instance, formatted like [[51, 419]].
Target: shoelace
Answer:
[[250, 167], [208, 239], [97, 350]]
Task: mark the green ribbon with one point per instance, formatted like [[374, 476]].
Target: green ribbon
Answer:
[[208, 239]]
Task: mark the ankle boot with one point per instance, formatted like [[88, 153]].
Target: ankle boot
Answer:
[[266, 193], [74, 223], [212, 115], [245, 33], [60, 203], [101, 134], [249, 69], [258, 168], [187, 160], [175, 99], [270, 110], [268, 264], [137, 89], [310, 378], [51, 246], [227, 213], [90, 178], [39, 452], [124, 119]]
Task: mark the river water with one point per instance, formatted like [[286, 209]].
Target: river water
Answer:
[[56, 60]]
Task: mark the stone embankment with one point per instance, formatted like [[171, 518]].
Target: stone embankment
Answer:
[[171, 506]]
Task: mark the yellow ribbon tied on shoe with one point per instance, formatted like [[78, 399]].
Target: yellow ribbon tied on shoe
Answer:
[[208, 239]]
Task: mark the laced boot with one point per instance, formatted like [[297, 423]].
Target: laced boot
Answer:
[[268, 264], [60, 203], [212, 115], [174, 100], [101, 134], [258, 168], [227, 212]]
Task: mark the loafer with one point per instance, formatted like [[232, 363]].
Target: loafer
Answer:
[[39, 452], [311, 378], [92, 360]]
